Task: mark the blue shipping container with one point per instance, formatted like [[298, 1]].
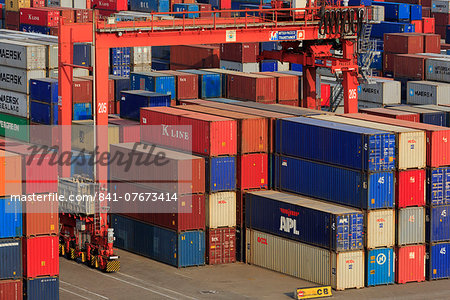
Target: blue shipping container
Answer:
[[395, 11], [34, 28], [11, 258], [82, 54], [132, 101], [82, 111], [380, 266], [44, 89], [210, 85], [297, 67], [415, 11], [438, 223], [359, 2], [123, 71], [221, 173], [10, 218], [177, 249], [268, 46], [182, 7], [447, 37], [121, 83], [44, 113], [160, 64], [43, 288], [119, 56], [268, 66], [161, 52], [334, 143], [438, 186], [335, 184], [329, 226], [150, 5], [438, 266], [154, 82], [377, 62], [379, 29]]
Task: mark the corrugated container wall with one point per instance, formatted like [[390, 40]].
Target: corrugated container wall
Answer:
[[381, 91], [11, 169], [384, 112], [410, 263], [14, 103], [209, 84], [295, 217], [132, 101], [438, 223], [220, 173], [342, 271], [41, 256], [411, 226], [427, 116], [380, 266], [11, 290], [10, 218], [177, 249], [42, 288], [11, 258], [426, 92], [252, 171], [22, 55], [380, 227], [83, 135], [348, 187], [437, 69], [438, 186], [221, 246], [17, 79], [17, 127], [354, 147], [221, 210], [438, 265], [40, 218], [186, 84], [410, 188]]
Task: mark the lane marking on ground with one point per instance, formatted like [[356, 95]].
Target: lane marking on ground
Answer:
[[62, 289], [84, 290]]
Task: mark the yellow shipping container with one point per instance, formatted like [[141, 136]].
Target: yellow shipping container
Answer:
[[83, 135], [16, 5]]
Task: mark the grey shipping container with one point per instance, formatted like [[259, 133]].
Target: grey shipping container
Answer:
[[77, 72], [366, 104], [411, 226], [342, 270], [141, 68], [240, 67], [14, 103], [141, 55], [14, 79], [380, 91], [79, 4], [51, 52], [19, 54], [437, 69], [428, 92]]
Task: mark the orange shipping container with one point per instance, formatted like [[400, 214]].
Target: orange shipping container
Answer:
[[40, 218], [194, 57], [10, 173], [251, 130], [252, 87], [186, 84], [287, 86]]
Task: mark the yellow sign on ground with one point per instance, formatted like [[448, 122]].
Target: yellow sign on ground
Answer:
[[313, 292]]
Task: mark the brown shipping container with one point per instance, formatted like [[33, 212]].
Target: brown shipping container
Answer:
[[12, 19], [389, 113], [54, 31], [182, 173], [82, 90], [111, 90], [441, 19], [432, 43], [426, 12], [441, 30], [186, 84], [251, 130], [252, 87], [403, 43], [11, 290], [271, 116], [83, 15], [194, 57], [410, 66], [388, 62], [221, 246], [68, 14], [11, 173], [40, 218], [204, 7], [295, 103], [240, 52], [287, 87], [129, 130]]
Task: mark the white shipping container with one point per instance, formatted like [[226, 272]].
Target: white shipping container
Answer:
[[14, 103], [141, 68], [51, 52], [77, 72], [343, 270], [377, 13], [411, 226], [428, 92], [410, 143], [221, 209], [437, 69], [239, 67], [80, 4], [284, 66], [380, 91], [380, 228], [17, 80], [440, 6], [19, 54], [141, 55]]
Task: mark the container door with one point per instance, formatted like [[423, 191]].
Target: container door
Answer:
[[349, 268], [381, 190], [439, 223], [380, 266], [439, 264], [436, 184]]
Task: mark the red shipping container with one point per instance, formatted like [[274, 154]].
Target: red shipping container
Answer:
[[224, 4], [118, 107], [410, 263], [418, 26], [290, 102], [441, 19], [104, 13], [438, 149], [410, 188], [12, 19], [40, 256], [251, 130], [37, 3], [252, 171], [67, 14], [11, 170], [204, 7], [403, 43], [83, 15], [186, 84], [82, 90], [210, 135], [325, 93], [40, 217], [240, 52], [111, 107], [388, 62], [287, 85], [426, 12], [111, 90], [194, 57], [432, 43], [129, 131], [39, 16], [112, 5], [221, 246], [410, 66], [1, 11], [11, 290], [428, 25], [388, 113], [252, 87]]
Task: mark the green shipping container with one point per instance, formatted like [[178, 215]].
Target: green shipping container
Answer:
[[14, 127]]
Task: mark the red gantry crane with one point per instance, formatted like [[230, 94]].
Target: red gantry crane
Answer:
[[310, 36]]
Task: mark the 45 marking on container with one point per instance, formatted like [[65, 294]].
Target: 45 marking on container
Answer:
[[442, 251], [313, 292]]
